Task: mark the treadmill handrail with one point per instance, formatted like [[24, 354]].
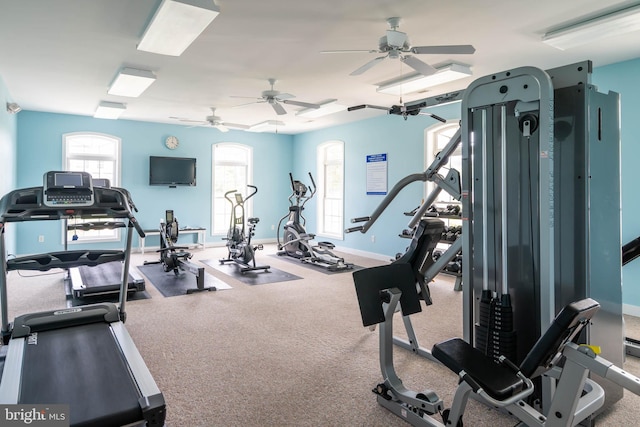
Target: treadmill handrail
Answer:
[[65, 259]]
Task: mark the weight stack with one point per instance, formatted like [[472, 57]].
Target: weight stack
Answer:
[[495, 336], [482, 327]]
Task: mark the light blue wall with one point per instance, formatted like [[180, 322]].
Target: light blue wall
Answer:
[[40, 150], [624, 77], [39, 143], [403, 142], [8, 141]]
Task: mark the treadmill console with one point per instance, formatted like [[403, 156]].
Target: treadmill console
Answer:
[[68, 189]]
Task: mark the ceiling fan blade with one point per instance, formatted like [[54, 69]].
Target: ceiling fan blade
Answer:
[[433, 116], [185, 120], [221, 128], [368, 65], [351, 51], [236, 125], [279, 109], [282, 96], [419, 66], [461, 49], [360, 107], [299, 103], [249, 103], [244, 97]]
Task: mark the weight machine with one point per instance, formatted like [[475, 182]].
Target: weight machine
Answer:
[[425, 232], [176, 258], [540, 171], [541, 210]]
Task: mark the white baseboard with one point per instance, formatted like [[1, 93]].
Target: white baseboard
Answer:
[[631, 310], [358, 252]]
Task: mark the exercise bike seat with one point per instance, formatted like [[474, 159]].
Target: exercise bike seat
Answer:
[[497, 380], [253, 220]]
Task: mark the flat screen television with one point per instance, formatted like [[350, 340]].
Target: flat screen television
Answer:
[[172, 171]]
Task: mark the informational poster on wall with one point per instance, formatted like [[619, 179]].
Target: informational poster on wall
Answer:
[[377, 174]]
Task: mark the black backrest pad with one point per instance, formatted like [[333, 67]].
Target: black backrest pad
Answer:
[[425, 238], [564, 328], [370, 281]]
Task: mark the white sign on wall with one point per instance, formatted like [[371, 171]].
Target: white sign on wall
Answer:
[[377, 174]]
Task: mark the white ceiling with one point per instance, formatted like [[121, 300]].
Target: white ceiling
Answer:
[[61, 56]]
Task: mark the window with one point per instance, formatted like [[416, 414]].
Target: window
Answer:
[[99, 155], [232, 170], [437, 137], [330, 157]]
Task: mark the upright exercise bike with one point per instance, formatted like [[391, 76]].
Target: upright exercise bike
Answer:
[[241, 251], [296, 242]]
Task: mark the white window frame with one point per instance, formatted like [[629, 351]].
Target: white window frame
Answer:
[[322, 197], [92, 236], [224, 226], [431, 150]]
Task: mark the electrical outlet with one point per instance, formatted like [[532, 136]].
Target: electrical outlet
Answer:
[[273, 227], [41, 239], [373, 238]]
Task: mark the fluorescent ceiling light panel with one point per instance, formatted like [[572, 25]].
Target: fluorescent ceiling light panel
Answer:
[[416, 81], [326, 108], [616, 23], [269, 125], [109, 110], [131, 82], [176, 24]]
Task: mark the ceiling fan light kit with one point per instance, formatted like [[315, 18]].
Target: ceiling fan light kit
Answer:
[[131, 82], [416, 81], [176, 24], [616, 23], [109, 110]]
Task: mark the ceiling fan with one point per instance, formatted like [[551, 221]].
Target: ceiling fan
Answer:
[[395, 45], [401, 110], [214, 121], [275, 99]]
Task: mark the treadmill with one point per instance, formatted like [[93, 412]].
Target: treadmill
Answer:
[[103, 279], [83, 356]]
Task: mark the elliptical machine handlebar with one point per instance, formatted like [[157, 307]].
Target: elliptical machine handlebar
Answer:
[[253, 187]]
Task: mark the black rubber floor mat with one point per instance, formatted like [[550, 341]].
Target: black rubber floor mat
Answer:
[[171, 285], [316, 267], [258, 277]]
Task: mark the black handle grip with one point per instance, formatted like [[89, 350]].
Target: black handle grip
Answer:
[[352, 229], [360, 219], [139, 229]]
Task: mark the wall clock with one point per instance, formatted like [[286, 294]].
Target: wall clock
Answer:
[[172, 142]]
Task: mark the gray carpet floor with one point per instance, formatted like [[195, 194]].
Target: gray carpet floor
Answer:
[[288, 354]]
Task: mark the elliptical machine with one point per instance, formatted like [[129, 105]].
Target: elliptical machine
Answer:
[[295, 239], [241, 251]]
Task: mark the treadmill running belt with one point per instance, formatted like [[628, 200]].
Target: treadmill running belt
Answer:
[[84, 368], [109, 273]]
